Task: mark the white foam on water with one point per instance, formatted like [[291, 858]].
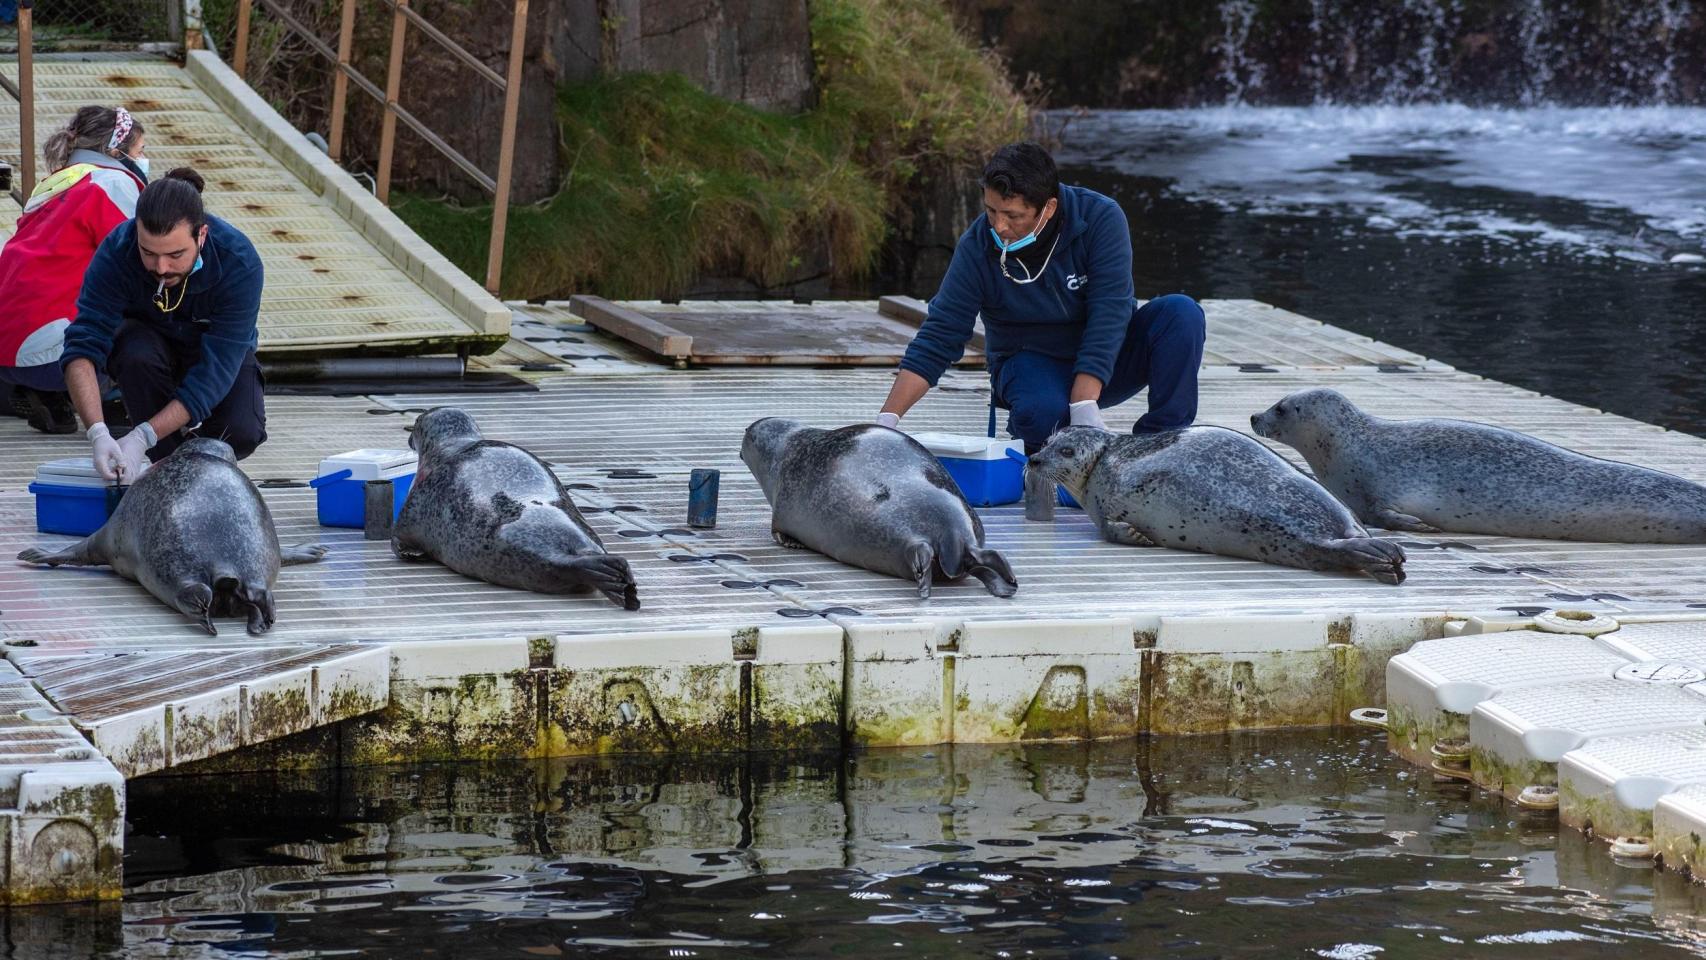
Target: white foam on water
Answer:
[[1629, 178], [1351, 951]]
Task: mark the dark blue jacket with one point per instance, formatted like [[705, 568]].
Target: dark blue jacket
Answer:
[[1080, 310], [220, 308]]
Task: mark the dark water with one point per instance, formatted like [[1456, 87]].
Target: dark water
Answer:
[[1301, 844], [1559, 250]]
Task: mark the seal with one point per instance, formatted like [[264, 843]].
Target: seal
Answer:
[[1211, 490], [872, 497], [1434, 475], [194, 532], [493, 511]]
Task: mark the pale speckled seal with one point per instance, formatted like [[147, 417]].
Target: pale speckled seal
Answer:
[[1214, 491], [492, 511], [194, 532], [1435, 475], [872, 497]]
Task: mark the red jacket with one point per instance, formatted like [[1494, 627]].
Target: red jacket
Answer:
[[42, 265]]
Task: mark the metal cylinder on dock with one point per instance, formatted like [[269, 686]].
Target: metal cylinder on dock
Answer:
[[702, 498], [380, 509]]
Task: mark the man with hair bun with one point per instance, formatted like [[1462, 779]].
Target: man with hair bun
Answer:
[[1048, 268], [168, 310]]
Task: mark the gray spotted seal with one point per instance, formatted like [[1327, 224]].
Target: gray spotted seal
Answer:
[[195, 533], [1211, 490], [872, 497], [493, 511], [1436, 475]]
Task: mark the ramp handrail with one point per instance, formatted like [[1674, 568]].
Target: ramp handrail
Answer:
[[24, 91], [401, 16]]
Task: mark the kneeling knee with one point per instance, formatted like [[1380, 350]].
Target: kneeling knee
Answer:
[[245, 438], [1035, 423], [1182, 315]]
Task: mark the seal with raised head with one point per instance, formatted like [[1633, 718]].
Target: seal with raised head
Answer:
[[493, 511], [872, 497], [1434, 475], [195, 533], [1211, 490]]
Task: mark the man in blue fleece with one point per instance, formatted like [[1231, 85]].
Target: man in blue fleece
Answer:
[[168, 310], [1048, 266]]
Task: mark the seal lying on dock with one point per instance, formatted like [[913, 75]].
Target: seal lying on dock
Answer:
[[872, 497], [492, 511], [1211, 490], [1434, 475], [194, 532]]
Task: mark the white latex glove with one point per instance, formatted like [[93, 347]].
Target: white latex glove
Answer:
[[890, 420], [1085, 413], [106, 452], [133, 450]]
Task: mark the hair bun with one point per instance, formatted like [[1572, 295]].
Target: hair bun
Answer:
[[188, 176]]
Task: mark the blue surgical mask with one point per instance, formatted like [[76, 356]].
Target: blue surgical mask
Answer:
[[1010, 246], [141, 164]]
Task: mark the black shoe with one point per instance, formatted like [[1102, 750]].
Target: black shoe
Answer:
[[113, 412], [47, 412]]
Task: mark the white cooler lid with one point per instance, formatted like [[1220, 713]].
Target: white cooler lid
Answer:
[[963, 447], [371, 464], [71, 472]]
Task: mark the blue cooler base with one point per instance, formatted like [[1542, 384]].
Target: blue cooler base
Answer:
[[72, 511], [987, 483], [344, 503]]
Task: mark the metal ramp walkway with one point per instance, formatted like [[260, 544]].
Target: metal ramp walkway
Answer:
[[344, 275]]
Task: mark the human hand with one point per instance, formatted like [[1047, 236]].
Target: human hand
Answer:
[[890, 420], [1085, 413], [106, 452], [133, 451]]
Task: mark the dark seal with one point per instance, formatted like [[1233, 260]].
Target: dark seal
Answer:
[[1212, 490], [872, 497], [492, 511], [1431, 475], [195, 533]]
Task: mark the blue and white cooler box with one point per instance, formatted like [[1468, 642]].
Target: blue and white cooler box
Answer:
[[71, 498], [341, 487], [990, 472]]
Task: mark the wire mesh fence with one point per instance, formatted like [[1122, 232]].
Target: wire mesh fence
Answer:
[[91, 24]]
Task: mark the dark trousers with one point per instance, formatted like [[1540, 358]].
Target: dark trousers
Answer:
[[1162, 350], [148, 364], [46, 377]]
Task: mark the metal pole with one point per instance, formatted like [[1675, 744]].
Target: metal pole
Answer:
[[506, 149], [193, 36], [340, 81], [393, 80], [27, 96], [240, 57]]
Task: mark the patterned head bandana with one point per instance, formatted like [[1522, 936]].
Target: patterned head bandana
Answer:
[[121, 129]]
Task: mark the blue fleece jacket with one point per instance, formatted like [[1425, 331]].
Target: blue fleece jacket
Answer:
[[220, 307], [1080, 310]]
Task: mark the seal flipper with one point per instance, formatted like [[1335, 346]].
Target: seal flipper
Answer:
[[407, 550], [300, 553], [608, 575], [195, 600], [83, 553], [1115, 531], [1381, 559], [257, 601], [991, 567], [1388, 519], [785, 540], [921, 560]]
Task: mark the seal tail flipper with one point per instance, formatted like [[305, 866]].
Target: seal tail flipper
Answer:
[[608, 575], [195, 600], [921, 560], [80, 554], [300, 553], [1381, 559], [257, 601], [991, 567]]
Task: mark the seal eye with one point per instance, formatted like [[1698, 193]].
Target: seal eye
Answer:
[[1068, 452]]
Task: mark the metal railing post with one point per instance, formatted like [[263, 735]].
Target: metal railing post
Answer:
[[240, 56], [506, 149], [26, 97], [340, 80], [393, 80]]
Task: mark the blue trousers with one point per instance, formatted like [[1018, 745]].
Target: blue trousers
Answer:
[[1162, 350], [148, 365], [45, 378]]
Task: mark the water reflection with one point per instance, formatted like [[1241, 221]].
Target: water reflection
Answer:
[[1298, 842]]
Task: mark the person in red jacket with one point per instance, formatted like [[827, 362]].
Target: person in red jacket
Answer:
[[98, 172]]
